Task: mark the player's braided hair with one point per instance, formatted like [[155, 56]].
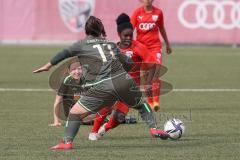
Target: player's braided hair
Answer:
[[94, 27], [123, 22]]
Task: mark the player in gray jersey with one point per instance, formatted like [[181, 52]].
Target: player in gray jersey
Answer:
[[105, 76], [68, 89]]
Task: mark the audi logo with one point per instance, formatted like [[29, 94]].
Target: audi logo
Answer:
[[218, 15]]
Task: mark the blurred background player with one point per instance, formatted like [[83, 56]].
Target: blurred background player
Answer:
[[68, 92], [148, 22], [139, 55], [106, 79]]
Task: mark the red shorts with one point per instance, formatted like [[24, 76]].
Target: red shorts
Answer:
[[156, 56]]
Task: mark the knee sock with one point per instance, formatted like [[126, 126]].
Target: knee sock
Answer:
[[100, 118], [72, 127], [147, 115], [111, 124], [98, 121], [156, 86]]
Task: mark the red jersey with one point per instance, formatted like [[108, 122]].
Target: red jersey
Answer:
[[147, 25], [138, 53]]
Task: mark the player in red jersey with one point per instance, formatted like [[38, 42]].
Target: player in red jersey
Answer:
[[148, 21], [138, 53]]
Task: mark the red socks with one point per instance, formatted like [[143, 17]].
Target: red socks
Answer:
[[156, 86], [102, 114], [99, 119], [120, 107], [111, 124]]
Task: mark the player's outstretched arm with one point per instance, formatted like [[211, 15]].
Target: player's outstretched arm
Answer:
[[55, 60], [45, 67]]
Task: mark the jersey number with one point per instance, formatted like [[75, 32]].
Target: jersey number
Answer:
[[101, 52]]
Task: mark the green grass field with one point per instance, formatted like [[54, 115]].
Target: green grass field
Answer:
[[212, 118]]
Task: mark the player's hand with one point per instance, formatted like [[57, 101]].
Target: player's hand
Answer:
[[46, 67], [55, 124], [168, 49]]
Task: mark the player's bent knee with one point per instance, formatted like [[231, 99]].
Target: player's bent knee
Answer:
[[78, 109], [77, 112]]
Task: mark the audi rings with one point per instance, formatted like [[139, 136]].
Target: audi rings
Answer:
[[218, 15]]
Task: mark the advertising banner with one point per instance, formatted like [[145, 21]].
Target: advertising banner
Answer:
[[186, 21]]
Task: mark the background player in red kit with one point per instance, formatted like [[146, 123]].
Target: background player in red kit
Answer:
[[138, 53], [148, 22]]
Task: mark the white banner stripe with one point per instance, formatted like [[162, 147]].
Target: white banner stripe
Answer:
[[174, 90]]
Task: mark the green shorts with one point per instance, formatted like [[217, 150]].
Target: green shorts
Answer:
[[107, 92]]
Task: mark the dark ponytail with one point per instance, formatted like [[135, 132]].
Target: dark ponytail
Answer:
[[94, 27]]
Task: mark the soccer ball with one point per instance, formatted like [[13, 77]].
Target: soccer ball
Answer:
[[175, 128]]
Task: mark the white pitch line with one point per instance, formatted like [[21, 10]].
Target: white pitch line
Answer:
[[174, 90], [24, 90], [206, 90]]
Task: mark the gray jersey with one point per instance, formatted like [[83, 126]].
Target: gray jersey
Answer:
[[98, 56]]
